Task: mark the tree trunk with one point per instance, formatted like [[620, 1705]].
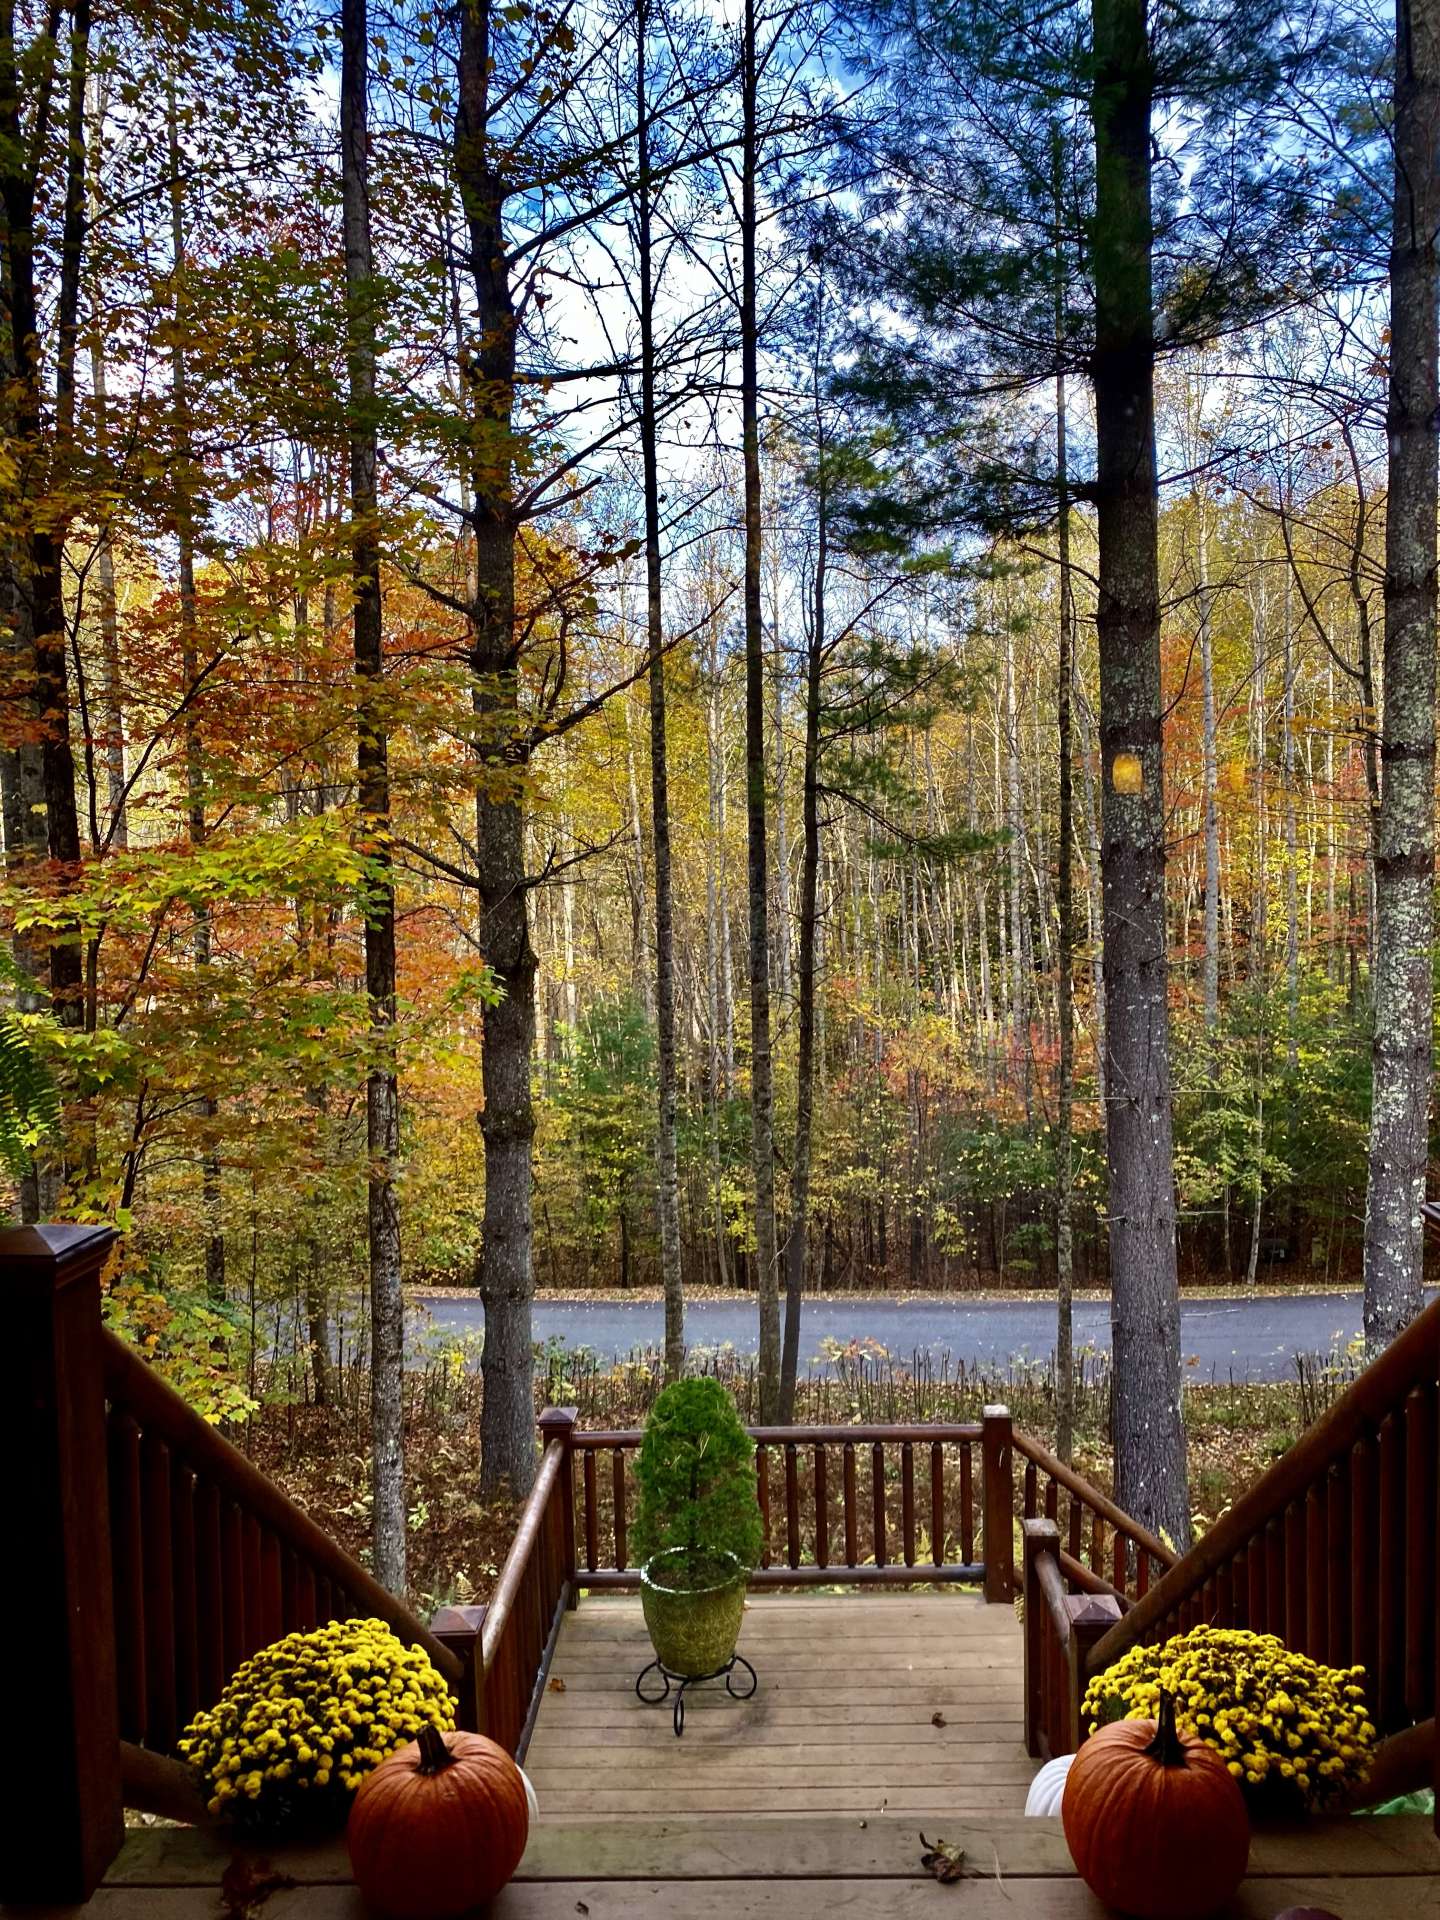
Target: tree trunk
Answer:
[[382, 1090], [669, 1192], [762, 1120], [212, 1204], [1210, 959], [507, 1124], [1405, 847], [1150, 1477], [798, 1235], [1064, 906]]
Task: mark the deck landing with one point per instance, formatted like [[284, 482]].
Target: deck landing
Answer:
[[866, 1704]]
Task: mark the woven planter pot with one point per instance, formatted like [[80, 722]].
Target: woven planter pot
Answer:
[[693, 1629]]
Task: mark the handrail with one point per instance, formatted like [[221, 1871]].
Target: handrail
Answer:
[[904, 1503], [522, 1548], [520, 1627], [598, 1440], [137, 1391], [1410, 1361], [1059, 1629], [1094, 1499]]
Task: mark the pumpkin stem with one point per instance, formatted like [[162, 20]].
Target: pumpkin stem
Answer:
[[1167, 1747], [435, 1754]]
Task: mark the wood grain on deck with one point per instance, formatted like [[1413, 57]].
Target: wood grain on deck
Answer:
[[843, 1720]]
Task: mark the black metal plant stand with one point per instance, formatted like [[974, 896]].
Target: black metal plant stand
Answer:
[[680, 1681]]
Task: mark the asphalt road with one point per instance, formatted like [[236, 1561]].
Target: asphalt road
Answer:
[[1255, 1337]]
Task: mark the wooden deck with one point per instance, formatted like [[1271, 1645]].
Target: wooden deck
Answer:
[[825, 1780], [699, 1868], [865, 1704]]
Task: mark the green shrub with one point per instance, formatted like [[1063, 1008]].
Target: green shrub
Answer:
[[696, 1473]]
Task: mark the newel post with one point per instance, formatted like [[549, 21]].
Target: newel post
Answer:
[[459, 1629], [1092, 1615], [60, 1788], [999, 1495], [1040, 1536], [558, 1423]]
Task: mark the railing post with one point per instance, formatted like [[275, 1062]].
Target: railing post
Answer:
[[60, 1786], [459, 1629], [1091, 1617], [558, 1423], [1040, 1536], [999, 1497]]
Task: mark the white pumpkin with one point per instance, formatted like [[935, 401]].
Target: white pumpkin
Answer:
[[1047, 1789], [532, 1799]]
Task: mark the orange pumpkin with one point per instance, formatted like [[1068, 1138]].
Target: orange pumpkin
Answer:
[[439, 1827], [1155, 1823]]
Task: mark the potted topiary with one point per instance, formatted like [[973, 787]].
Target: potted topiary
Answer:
[[697, 1529]]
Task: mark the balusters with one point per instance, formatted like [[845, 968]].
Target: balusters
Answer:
[[1420, 1546], [907, 1502], [1391, 1661], [1030, 1477], [1142, 1573], [592, 1518], [1052, 1500], [1275, 1578], [937, 1504], [617, 1490], [187, 1649], [822, 1511], [877, 1501], [252, 1576], [233, 1586], [157, 1549], [210, 1591], [1317, 1573], [1240, 1589], [1364, 1561], [1337, 1573], [967, 1505], [762, 1494], [1224, 1609], [1255, 1576], [129, 1573], [1097, 1544], [1077, 1522], [792, 1505], [272, 1612], [852, 1544]]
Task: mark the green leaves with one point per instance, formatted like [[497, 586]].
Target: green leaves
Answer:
[[697, 1476]]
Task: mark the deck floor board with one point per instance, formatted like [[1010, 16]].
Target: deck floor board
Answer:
[[865, 1703]]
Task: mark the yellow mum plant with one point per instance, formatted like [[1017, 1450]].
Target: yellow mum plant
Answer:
[[303, 1721], [1292, 1733]]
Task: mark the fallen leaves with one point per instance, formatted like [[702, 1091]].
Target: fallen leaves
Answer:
[[557, 1685], [247, 1884], [937, 1719], [944, 1862]]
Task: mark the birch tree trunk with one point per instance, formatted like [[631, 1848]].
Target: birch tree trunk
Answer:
[[1405, 841], [382, 1088], [669, 1193], [1210, 959], [1150, 1476], [762, 1120]]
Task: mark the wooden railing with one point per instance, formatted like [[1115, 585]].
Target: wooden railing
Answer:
[[1061, 1627], [861, 1505], [1333, 1550], [209, 1560], [519, 1627], [1099, 1549], [148, 1558]]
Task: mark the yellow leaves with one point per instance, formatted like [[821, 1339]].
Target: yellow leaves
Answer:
[[1127, 774]]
